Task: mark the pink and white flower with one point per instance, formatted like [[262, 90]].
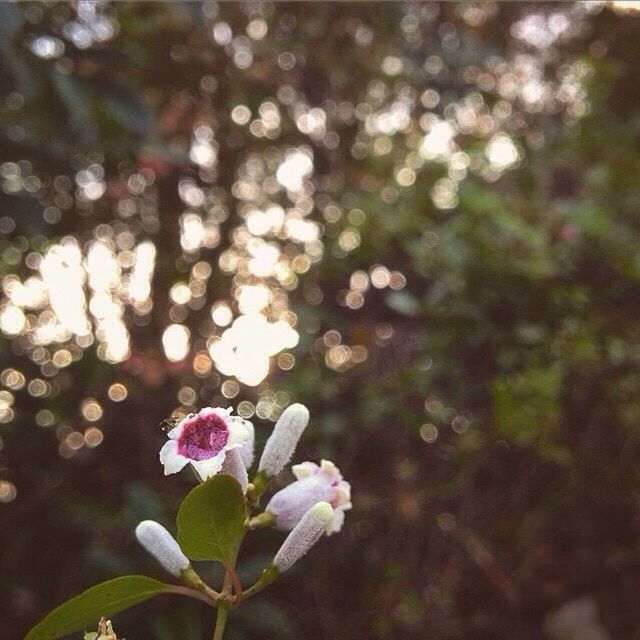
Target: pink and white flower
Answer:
[[203, 440], [314, 483]]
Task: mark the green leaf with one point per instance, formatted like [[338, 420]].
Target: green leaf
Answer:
[[526, 409], [125, 105], [211, 520], [403, 303], [86, 609]]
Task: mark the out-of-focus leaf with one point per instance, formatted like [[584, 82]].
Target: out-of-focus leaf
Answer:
[[11, 23], [77, 100], [259, 618], [126, 106], [527, 406], [403, 303]]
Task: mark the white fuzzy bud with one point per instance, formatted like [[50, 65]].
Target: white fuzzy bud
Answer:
[[304, 535], [284, 439], [246, 450], [234, 466], [162, 546]]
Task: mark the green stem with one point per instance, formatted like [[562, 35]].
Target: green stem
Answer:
[[184, 591], [193, 580], [221, 621], [264, 519], [257, 487], [223, 608], [235, 582], [269, 575]]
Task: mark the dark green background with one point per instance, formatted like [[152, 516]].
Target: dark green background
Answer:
[[519, 324]]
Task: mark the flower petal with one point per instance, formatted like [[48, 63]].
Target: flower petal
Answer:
[[338, 521], [326, 466], [304, 470], [218, 411], [289, 504], [344, 494], [171, 459], [238, 433], [209, 467]]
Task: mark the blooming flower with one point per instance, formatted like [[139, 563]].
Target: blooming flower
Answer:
[[162, 546], [284, 439], [313, 484], [304, 535], [203, 439]]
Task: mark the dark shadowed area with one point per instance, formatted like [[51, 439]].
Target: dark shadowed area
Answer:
[[421, 220]]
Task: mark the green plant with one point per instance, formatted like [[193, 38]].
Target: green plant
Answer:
[[215, 516]]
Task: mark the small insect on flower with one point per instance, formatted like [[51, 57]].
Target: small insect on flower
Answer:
[[170, 423], [314, 483], [203, 440]]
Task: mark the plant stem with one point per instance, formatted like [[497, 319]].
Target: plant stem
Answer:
[[223, 608], [264, 519], [221, 621], [269, 575], [193, 580], [233, 577], [257, 487], [191, 593]]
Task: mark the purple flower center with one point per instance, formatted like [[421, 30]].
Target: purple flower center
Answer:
[[203, 436]]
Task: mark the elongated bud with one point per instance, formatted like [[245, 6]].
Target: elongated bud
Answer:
[[246, 451], [162, 546], [284, 439], [304, 535], [234, 466]]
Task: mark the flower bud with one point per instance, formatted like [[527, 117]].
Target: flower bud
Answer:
[[305, 534], [246, 451], [162, 546], [284, 439], [234, 466], [314, 483]]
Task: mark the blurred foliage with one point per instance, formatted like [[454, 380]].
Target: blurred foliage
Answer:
[[492, 430]]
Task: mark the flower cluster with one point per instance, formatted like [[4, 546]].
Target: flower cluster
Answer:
[[215, 516], [214, 441]]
